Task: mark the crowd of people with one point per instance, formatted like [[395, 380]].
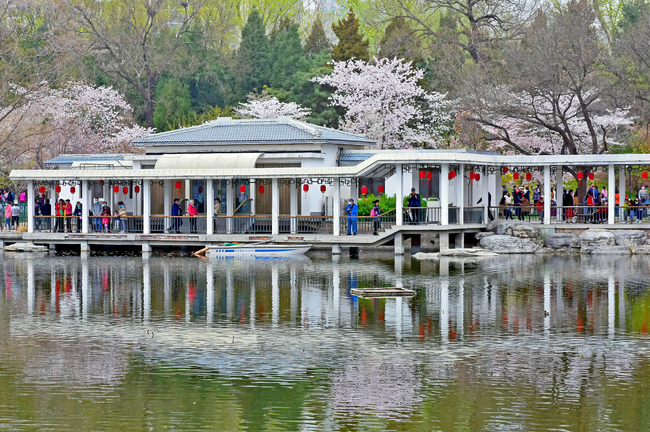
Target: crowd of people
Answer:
[[11, 205]]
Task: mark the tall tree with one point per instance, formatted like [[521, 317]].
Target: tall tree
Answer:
[[317, 41], [137, 40], [351, 44], [287, 57], [173, 103], [252, 59], [400, 41]]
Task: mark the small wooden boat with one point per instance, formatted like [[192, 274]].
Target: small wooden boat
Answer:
[[253, 250], [382, 292]]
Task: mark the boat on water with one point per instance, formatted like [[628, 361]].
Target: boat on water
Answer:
[[243, 250], [382, 292]]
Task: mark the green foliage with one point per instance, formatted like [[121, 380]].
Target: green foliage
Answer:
[[194, 119], [351, 43], [287, 57], [317, 41], [172, 103], [252, 59], [386, 203], [400, 41]]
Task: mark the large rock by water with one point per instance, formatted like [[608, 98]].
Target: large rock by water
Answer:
[[630, 237], [641, 250], [499, 226], [24, 247], [593, 239], [560, 240], [426, 256], [480, 235], [504, 244], [525, 230], [611, 250], [466, 253]]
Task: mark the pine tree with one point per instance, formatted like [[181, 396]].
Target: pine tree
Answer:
[[252, 59], [351, 43], [317, 40], [399, 41], [287, 57]]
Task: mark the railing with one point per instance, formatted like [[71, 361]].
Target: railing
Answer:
[[421, 215], [306, 224], [178, 224], [366, 224], [573, 214], [106, 224]]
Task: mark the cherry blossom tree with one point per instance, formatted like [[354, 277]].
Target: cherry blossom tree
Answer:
[[384, 101], [265, 107]]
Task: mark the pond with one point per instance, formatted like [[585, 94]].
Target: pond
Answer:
[[505, 343]]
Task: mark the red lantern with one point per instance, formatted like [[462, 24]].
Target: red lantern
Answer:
[[429, 175], [591, 176], [101, 182], [478, 176], [515, 176], [422, 174], [137, 189], [452, 174], [529, 176], [72, 189], [505, 170], [242, 189], [41, 189], [644, 175], [178, 185], [305, 187], [58, 189], [449, 176], [125, 190], [472, 175], [579, 175], [260, 189], [380, 189], [200, 189], [364, 190], [116, 189], [323, 188]]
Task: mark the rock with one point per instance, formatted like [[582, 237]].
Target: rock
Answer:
[[559, 240], [426, 256], [630, 237], [523, 231], [594, 238], [504, 244], [499, 226], [611, 250], [467, 253], [479, 236], [24, 247], [641, 250]]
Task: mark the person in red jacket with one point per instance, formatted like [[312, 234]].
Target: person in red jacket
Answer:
[[192, 212]]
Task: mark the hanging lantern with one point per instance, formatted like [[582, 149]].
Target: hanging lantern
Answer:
[[644, 175], [591, 176], [42, 189], [452, 174], [242, 189], [579, 175], [515, 176], [478, 176], [116, 189], [58, 189], [323, 188], [380, 189], [364, 190], [72, 189], [178, 185], [200, 189], [101, 182], [505, 170], [422, 174], [136, 189], [260, 189], [449, 176], [125, 190], [305, 187], [472, 175], [529, 176], [429, 175]]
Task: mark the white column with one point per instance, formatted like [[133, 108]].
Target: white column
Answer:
[[460, 175], [444, 194], [31, 200], [336, 211], [621, 193], [251, 195], [275, 296], [106, 193], [275, 207], [188, 190], [293, 194], [611, 174], [230, 202], [399, 203], [485, 190], [31, 286], [559, 185], [146, 206], [209, 206], [168, 203], [547, 195], [85, 206]]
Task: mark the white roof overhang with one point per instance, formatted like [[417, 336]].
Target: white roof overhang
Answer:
[[211, 161]]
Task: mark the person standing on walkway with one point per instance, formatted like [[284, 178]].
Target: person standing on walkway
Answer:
[[37, 213], [192, 212], [122, 213], [352, 210], [106, 216], [219, 223], [15, 215], [68, 214], [96, 210], [414, 203], [176, 221], [8, 216], [78, 215], [375, 212]]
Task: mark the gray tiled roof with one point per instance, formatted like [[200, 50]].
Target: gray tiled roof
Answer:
[[355, 157], [254, 131], [68, 159]]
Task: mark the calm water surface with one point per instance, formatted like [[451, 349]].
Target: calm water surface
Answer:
[[509, 343]]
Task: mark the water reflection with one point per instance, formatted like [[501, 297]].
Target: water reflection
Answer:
[[511, 342]]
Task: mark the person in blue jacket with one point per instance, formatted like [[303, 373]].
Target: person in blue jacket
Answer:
[[176, 211], [352, 211]]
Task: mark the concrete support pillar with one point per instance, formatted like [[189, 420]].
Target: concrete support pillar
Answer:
[[460, 176], [611, 174], [444, 240], [230, 206], [399, 244], [188, 190], [293, 196], [547, 195], [559, 186], [106, 194], [621, 193], [251, 194], [485, 190], [444, 194], [275, 207], [336, 249], [30, 206], [85, 247], [146, 248], [209, 206], [168, 198], [146, 206], [85, 206], [336, 211], [399, 202]]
